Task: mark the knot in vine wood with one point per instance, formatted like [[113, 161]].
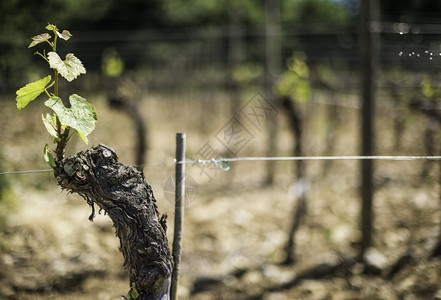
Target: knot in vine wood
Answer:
[[123, 193]]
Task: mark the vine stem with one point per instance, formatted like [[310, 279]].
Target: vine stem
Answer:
[[42, 55], [54, 48], [56, 83], [63, 135], [46, 91]]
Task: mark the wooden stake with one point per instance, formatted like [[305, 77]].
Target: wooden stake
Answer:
[[179, 212]]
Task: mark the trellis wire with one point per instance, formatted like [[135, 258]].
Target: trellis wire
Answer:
[[221, 161], [51, 170], [224, 163], [26, 172]]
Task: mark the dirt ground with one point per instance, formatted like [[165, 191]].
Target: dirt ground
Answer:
[[236, 226]]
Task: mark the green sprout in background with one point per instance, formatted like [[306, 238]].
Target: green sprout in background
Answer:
[[294, 82], [63, 122], [112, 64]]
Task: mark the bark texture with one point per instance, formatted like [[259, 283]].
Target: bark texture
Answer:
[[123, 193]]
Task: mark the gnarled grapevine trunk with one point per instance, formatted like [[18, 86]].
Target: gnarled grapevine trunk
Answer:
[[127, 198]]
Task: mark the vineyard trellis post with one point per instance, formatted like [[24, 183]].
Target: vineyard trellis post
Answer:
[[236, 53], [179, 212], [368, 51], [272, 72]]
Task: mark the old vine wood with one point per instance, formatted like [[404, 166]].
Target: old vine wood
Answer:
[[120, 191], [123, 193]]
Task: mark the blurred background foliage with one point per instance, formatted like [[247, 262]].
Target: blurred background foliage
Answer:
[[157, 34], [294, 81], [190, 36]]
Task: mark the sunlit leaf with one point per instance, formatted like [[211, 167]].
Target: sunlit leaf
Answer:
[[50, 124], [31, 91], [39, 39], [48, 156], [51, 27], [65, 35], [81, 116], [70, 68]]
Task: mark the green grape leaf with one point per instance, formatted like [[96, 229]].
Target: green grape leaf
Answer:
[[65, 35], [70, 68], [31, 91], [81, 116], [48, 156], [39, 39], [50, 124], [51, 27]]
